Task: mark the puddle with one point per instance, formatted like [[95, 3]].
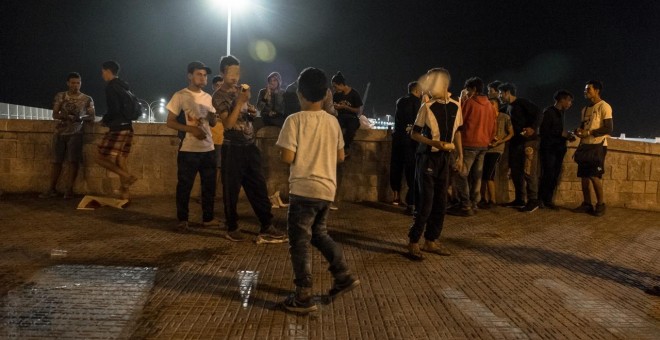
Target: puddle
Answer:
[[77, 302]]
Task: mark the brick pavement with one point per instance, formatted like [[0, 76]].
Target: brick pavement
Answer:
[[124, 274]]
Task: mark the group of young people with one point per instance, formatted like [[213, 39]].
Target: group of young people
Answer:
[[440, 143]]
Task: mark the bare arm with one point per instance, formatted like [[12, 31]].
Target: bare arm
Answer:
[[340, 155], [287, 156]]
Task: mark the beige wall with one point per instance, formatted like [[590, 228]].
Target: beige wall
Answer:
[[631, 177]]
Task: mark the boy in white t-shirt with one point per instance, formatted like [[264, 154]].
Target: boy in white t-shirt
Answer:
[[311, 141], [594, 129], [192, 114]]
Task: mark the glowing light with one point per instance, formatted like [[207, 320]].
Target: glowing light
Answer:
[[263, 50]]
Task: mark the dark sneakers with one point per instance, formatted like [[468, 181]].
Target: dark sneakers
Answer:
[[584, 208], [271, 235], [599, 210], [236, 236], [342, 287], [531, 206], [457, 210], [300, 302], [514, 204]]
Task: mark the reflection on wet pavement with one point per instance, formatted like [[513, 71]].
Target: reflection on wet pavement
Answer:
[[77, 302], [247, 279]]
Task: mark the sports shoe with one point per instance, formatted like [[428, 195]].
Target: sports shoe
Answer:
[[483, 204], [300, 302], [212, 223], [271, 235], [182, 227], [235, 235], [435, 248], [460, 211], [550, 206], [514, 204], [333, 207], [531, 206], [415, 252], [340, 288], [599, 210], [48, 194], [584, 208]]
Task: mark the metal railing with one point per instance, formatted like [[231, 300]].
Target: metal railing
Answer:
[[13, 111]]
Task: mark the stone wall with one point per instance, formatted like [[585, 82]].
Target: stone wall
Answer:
[[631, 177]]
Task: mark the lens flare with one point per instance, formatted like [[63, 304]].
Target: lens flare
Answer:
[[263, 50]]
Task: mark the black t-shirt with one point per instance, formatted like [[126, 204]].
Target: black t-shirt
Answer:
[[352, 99], [406, 111], [552, 126], [524, 114]]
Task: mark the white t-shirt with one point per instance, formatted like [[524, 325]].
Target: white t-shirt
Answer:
[[196, 106], [315, 137], [592, 119]]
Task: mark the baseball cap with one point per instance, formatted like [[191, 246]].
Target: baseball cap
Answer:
[[198, 65]]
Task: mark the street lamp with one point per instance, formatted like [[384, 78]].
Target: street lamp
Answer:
[[151, 107], [235, 4]]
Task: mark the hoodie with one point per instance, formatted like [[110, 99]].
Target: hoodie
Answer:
[[118, 102], [479, 122]]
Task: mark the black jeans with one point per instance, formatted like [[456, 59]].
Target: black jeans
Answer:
[[403, 163], [306, 224], [241, 166], [523, 161], [432, 177], [349, 124], [188, 165], [552, 158]]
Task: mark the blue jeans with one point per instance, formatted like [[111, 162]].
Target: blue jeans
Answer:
[[467, 182], [307, 224]]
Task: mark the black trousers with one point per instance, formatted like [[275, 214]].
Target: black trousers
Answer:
[[432, 177], [241, 167], [402, 163], [552, 158], [188, 165], [349, 124]]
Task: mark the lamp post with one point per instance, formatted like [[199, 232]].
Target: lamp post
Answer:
[[151, 107], [237, 4]]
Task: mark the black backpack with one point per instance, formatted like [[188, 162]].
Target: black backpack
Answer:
[[132, 108]]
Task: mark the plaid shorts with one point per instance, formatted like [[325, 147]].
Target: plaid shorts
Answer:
[[116, 142]]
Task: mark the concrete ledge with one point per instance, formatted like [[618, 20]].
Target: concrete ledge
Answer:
[[631, 177]]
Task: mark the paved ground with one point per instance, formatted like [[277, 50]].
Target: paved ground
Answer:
[[111, 273]]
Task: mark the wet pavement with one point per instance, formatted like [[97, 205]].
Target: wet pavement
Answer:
[[117, 274]]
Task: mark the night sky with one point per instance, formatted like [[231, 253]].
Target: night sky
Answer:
[[540, 46]]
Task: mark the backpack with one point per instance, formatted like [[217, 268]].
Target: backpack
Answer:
[[133, 108]]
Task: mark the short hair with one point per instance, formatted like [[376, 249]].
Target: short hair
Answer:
[[112, 66], [313, 84], [228, 60], [338, 79], [507, 87], [562, 94], [475, 82], [494, 84], [596, 84], [217, 79], [411, 86], [73, 75]]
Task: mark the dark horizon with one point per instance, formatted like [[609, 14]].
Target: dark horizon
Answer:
[[541, 47]]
